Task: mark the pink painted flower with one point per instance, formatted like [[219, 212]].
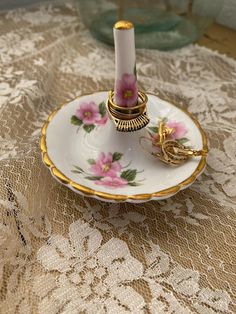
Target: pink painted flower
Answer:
[[102, 121], [126, 92], [112, 182], [105, 167], [88, 113], [179, 129]]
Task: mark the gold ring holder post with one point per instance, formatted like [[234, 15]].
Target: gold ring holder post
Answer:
[[128, 119]]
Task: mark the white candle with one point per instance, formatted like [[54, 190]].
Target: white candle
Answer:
[[126, 92]]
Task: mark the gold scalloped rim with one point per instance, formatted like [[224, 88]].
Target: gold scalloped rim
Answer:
[[120, 197]]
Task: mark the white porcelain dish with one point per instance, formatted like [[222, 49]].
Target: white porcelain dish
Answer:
[[84, 151]]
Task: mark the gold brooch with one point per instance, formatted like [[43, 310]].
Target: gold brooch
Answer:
[[171, 151]]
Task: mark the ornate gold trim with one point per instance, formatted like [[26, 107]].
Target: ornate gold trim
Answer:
[[120, 197]]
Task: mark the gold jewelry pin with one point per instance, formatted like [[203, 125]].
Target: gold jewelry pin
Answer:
[[171, 151]]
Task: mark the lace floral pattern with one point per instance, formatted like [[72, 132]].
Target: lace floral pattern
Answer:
[[96, 277], [91, 270], [61, 253]]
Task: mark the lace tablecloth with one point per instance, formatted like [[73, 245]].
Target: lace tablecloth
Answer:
[[62, 253]]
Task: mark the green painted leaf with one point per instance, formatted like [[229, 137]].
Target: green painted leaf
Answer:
[[78, 168], [154, 129], [76, 171], [129, 174], [88, 127], [134, 184], [93, 178], [74, 120], [91, 161], [164, 119], [116, 156], [102, 109], [183, 140]]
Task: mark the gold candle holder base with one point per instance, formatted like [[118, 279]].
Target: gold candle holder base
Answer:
[[128, 119]]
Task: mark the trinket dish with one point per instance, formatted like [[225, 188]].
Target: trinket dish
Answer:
[[85, 152]]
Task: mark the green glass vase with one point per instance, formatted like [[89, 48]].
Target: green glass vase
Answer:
[[163, 25]]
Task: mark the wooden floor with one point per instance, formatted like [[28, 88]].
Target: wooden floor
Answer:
[[220, 38]]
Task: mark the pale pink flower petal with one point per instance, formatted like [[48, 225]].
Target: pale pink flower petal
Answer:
[[96, 170], [126, 92], [108, 158], [101, 157], [102, 121], [116, 166], [88, 113], [179, 129], [105, 167], [112, 182]]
